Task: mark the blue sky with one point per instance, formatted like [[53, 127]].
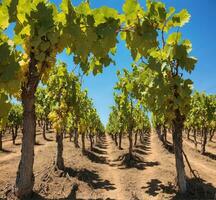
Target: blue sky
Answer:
[[201, 31]]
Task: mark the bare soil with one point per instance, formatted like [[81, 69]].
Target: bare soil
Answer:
[[100, 174]]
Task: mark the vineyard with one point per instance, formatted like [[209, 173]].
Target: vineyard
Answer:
[[159, 141]]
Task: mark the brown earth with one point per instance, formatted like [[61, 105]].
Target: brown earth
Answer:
[[100, 174]]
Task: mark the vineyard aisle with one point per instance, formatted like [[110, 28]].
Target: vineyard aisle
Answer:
[[150, 179], [111, 172], [100, 174]]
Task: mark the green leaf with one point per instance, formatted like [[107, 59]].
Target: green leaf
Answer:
[[44, 46], [188, 45], [26, 31], [132, 9], [4, 16], [171, 11], [23, 10], [103, 14], [84, 8], [181, 18], [174, 38], [40, 57], [190, 63]]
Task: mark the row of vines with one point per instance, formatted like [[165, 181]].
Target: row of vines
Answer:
[[49, 94]]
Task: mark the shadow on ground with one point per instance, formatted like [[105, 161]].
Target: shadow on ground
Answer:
[[91, 178], [6, 151], [38, 144], [98, 150], [102, 144], [197, 189], [168, 146], [94, 157], [155, 186], [210, 155], [71, 196], [133, 161], [142, 149]]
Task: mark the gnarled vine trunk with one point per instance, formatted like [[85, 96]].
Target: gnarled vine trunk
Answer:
[[83, 142], [194, 136], [158, 130], [188, 133], [59, 161], [1, 140], [44, 131], [204, 141], [47, 125], [135, 138], [25, 177], [164, 134], [177, 142], [70, 135], [120, 140], [15, 133], [76, 138], [116, 140], [91, 137], [130, 137], [211, 133]]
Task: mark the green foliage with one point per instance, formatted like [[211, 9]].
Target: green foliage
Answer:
[[5, 106], [42, 103], [157, 81], [70, 107], [15, 116], [89, 34], [8, 65], [202, 112], [127, 114]]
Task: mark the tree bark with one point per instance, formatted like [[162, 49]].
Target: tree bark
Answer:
[[44, 131], [50, 124], [135, 139], [116, 140], [83, 142], [76, 137], [164, 134], [65, 133], [16, 133], [204, 141], [47, 125], [59, 161], [194, 136], [25, 177], [91, 140], [188, 134], [141, 137], [1, 140], [70, 136], [38, 122], [13, 134], [158, 130], [113, 138], [120, 140], [130, 137], [212, 131], [177, 142]]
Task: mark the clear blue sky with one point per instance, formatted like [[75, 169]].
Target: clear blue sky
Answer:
[[201, 31]]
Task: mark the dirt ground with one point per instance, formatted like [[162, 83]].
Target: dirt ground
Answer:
[[100, 174]]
